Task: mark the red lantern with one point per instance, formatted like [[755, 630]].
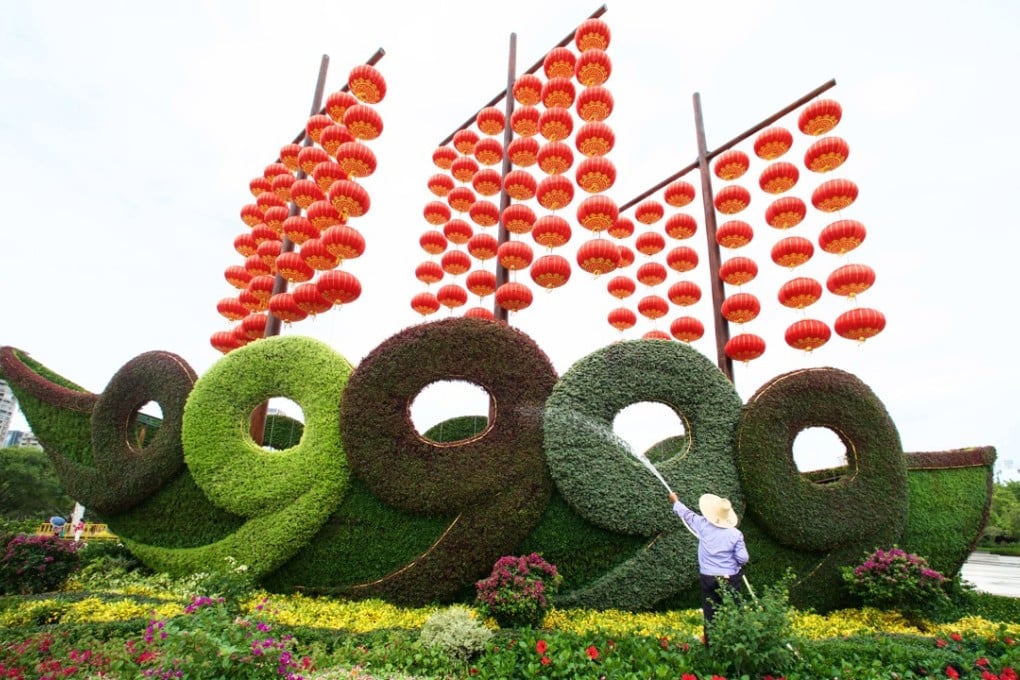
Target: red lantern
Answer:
[[555, 124], [737, 271], [860, 324], [428, 272], [734, 234], [349, 198], [455, 262], [731, 199], [592, 34], [792, 251], [451, 296], [523, 151], [484, 213], [784, 213], [323, 215], [684, 293], [425, 303], [481, 282], [800, 292], [550, 271], [558, 93], [527, 89], [626, 256], [834, 195], [363, 122], [282, 185], [304, 192], [598, 256], [772, 143], [653, 307], [740, 308], [649, 212], [345, 242], [458, 231], [326, 173], [514, 255], [622, 318], [594, 139], [245, 244], [273, 170], [555, 158], [594, 104], [682, 259], [338, 286], [687, 329], [317, 257], [464, 140], [655, 334], [551, 231], [224, 341], [555, 192], [254, 326], [259, 185], [649, 243], [489, 151], [593, 68], [623, 227], [559, 63], [269, 251], [681, 226], [440, 184], [251, 214], [292, 266], [520, 185], [678, 194], [744, 347], [338, 102], [367, 84], [356, 159], [491, 120], [621, 287], [826, 154], [333, 136], [308, 298], [275, 218], [819, 117], [778, 177], [284, 308], [315, 126], [518, 218], [524, 121], [807, 334], [461, 199], [268, 200], [841, 236], [231, 308], [257, 266], [851, 280], [289, 156], [513, 296], [595, 174], [444, 156], [464, 168], [252, 302], [311, 156], [651, 273], [433, 242], [479, 313], [597, 213], [263, 232], [436, 212], [261, 286], [483, 246], [731, 164]]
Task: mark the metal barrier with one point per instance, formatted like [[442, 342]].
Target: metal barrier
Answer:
[[93, 532]]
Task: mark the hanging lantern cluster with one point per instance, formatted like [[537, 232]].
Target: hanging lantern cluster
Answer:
[[299, 230]]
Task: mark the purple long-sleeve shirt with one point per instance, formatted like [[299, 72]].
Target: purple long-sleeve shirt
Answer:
[[721, 552]]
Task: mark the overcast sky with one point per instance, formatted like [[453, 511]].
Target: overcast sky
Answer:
[[130, 131]]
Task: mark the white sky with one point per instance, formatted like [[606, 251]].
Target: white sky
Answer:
[[129, 133]]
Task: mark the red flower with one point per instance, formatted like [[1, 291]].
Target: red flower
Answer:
[[956, 637], [688, 676], [982, 662], [951, 672], [1008, 640], [1008, 674], [940, 643], [473, 671], [546, 661], [541, 646], [988, 675], [592, 652], [664, 642]]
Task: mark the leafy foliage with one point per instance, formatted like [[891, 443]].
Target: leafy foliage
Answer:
[[517, 593], [29, 486], [456, 631], [898, 580], [36, 564]]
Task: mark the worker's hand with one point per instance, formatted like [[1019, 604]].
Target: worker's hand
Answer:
[[673, 498]]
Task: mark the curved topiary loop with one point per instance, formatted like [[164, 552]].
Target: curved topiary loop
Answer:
[[819, 517], [482, 481], [125, 475], [602, 480]]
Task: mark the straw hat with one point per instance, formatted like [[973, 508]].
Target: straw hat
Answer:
[[718, 511]]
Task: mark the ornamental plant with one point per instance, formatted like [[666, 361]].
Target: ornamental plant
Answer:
[[36, 564], [896, 579], [517, 593]]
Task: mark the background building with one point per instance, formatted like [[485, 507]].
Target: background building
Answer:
[[8, 404]]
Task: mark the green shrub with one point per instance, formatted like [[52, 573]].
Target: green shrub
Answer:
[[754, 634], [456, 631], [36, 564], [517, 592]]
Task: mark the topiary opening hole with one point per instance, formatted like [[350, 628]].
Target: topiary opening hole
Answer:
[[652, 429], [821, 455], [441, 402], [144, 423]]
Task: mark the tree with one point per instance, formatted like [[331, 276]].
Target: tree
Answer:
[[29, 486], [1004, 515]]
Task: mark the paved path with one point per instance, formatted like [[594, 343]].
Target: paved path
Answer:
[[996, 574]]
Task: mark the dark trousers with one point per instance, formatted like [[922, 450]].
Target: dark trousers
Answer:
[[710, 586]]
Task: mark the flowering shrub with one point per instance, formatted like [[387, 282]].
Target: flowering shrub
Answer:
[[895, 579], [456, 631], [36, 564], [517, 592]]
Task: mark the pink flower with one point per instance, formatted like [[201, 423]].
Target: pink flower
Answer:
[[592, 652], [541, 646]]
